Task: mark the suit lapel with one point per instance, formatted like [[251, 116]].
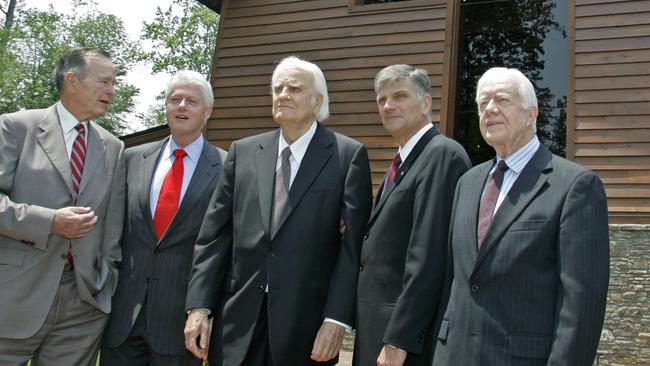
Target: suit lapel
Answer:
[[528, 184], [265, 160], [472, 199], [207, 168], [145, 176], [50, 138], [401, 173], [95, 155], [317, 154]]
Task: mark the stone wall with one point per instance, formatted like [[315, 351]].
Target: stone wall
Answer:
[[625, 339]]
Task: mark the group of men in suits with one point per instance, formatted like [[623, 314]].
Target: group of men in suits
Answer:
[[502, 264]]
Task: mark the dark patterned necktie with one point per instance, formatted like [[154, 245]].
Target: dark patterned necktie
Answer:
[[280, 191], [489, 201], [391, 174]]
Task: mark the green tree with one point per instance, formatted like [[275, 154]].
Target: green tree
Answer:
[[37, 41], [181, 37]]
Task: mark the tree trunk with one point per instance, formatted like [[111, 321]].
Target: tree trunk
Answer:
[[6, 30]]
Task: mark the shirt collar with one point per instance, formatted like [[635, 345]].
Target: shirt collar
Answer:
[[193, 150], [518, 160], [405, 150], [68, 121], [298, 147]]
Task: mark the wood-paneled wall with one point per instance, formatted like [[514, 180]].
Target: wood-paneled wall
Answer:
[[350, 43], [609, 100]]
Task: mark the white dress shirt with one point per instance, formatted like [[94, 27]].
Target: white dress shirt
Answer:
[[516, 163], [405, 150], [165, 162], [68, 124]]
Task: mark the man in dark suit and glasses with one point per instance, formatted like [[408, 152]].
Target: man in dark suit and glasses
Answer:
[[529, 242], [404, 255], [271, 264], [169, 185]]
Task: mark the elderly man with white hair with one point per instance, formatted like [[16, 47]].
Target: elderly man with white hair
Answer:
[[529, 242], [272, 265], [169, 183]]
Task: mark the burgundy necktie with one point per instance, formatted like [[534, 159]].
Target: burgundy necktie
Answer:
[[170, 193], [391, 174], [489, 201], [77, 158]]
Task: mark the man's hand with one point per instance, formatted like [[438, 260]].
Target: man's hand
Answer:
[[328, 342], [391, 356], [197, 333], [73, 222]]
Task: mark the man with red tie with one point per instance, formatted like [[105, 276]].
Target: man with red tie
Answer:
[[61, 216], [169, 186]]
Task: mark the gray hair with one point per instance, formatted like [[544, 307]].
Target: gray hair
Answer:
[[320, 85], [524, 87], [415, 76], [192, 78], [75, 62]]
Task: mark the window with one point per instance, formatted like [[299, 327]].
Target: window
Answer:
[[529, 35]]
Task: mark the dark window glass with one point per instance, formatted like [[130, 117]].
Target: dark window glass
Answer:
[[366, 2], [529, 35]]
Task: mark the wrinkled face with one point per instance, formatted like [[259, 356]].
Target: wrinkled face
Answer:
[[186, 112], [294, 98], [504, 122], [91, 95], [401, 109]]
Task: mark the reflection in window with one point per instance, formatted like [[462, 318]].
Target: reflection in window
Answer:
[[529, 35]]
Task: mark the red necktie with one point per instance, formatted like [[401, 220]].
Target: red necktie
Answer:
[[489, 201], [392, 173], [170, 193], [77, 158]]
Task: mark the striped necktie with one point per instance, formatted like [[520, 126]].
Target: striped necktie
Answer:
[[77, 157]]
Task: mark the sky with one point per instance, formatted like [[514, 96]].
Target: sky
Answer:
[[132, 13]]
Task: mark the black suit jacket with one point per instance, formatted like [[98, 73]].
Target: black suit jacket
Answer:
[[535, 292], [403, 260], [157, 270], [309, 266]]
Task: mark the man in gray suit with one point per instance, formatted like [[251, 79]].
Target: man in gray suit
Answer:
[[146, 325], [404, 255], [529, 242], [62, 181]]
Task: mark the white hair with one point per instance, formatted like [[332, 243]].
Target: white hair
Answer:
[[524, 87], [192, 78], [320, 85]]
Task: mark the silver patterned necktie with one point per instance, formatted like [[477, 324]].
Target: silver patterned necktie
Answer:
[[280, 191]]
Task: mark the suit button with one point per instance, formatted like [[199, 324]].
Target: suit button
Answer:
[[272, 255], [365, 236], [474, 288], [262, 287], [148, 279], [361, 268]]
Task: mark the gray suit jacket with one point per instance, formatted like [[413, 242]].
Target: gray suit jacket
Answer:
[[404, 253], [159, 270], [309, 266], [535, 292], [35, 180]]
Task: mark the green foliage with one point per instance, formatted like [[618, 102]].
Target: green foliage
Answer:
[[184, 41], [37, 41], [182, 37]]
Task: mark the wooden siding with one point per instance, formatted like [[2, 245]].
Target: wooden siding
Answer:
[[350, 43], [609, 119]]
